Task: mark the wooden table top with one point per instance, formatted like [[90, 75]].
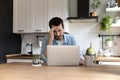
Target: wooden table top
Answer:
[[25, 71]]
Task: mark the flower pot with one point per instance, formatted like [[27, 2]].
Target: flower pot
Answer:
[[109, 43]]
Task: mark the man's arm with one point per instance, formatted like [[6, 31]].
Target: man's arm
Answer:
[[48, 41], [44, 45], [51, 36]]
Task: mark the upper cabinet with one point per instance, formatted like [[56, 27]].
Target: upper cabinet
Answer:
[[22, 16], [58, 8], [40, 9], [32, 16]]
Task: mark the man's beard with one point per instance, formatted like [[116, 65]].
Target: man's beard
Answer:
[[58, 37]]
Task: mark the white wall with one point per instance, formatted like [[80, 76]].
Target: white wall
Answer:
[[87, 32], [84, 32], [31, 38]]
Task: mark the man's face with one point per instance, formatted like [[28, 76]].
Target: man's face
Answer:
[[58, 32]]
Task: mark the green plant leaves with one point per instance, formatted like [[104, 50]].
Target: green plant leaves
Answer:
[[109, 38], [95, 4], [105, 23]]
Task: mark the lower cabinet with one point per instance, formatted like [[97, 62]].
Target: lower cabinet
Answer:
[[19, 58]]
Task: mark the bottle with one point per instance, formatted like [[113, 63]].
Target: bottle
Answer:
[[116, 5], [90, 50], [90, 56], [112, 4], [108, 4]]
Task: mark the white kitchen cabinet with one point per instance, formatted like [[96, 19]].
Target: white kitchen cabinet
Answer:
[[59, 8], [40, 15], [22, 16], [32, 16]]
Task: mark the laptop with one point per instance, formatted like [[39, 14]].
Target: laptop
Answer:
[[60, 55]]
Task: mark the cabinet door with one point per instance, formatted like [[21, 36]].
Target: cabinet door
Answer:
[[19, 16], [58, 8], [40, 16], [22, 16], [33, 15], [29, 16]]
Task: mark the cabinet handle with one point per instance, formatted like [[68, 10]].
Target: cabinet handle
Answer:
[[38, 30], [20, 30]]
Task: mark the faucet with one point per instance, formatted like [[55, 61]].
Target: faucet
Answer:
[[30, 44]]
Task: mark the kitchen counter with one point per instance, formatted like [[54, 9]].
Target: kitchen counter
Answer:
[[19, 58], [108, 59], [29, 58], [25, 71]]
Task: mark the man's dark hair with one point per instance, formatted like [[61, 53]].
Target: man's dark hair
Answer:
[[56, 21]]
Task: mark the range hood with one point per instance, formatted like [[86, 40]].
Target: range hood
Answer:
[[83, 19], [83, 12]]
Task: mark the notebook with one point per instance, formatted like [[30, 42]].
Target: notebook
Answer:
[[62, 55]]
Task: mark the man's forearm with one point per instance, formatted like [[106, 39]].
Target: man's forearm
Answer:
[[50, 42], [45, 53]]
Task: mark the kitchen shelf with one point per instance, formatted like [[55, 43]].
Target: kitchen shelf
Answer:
[[102, 36], [116, 25], [115, 9]]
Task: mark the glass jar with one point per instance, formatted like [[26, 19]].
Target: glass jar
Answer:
[[36, 59]]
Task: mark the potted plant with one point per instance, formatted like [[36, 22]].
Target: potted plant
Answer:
[[95, 4], [109, 41], [36, 60], [105, 26], [105, 23]]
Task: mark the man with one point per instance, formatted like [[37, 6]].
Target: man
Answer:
[[56, 36]]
